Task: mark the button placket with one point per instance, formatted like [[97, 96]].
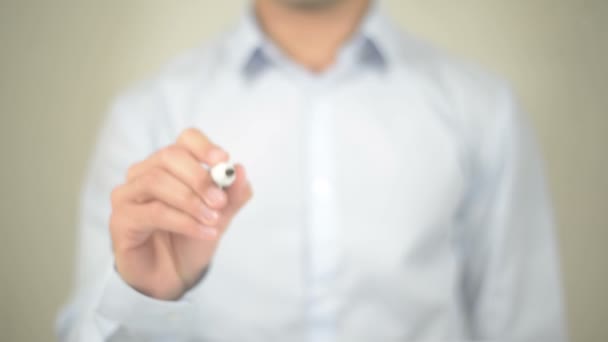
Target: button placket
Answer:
[[322, 228]]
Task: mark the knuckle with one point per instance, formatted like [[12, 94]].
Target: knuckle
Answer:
[[120, 222], [132, 171], [116, 222], [189, 201], [156, 212], [167, 154], [154, 177], [116, 195], [190, 133]]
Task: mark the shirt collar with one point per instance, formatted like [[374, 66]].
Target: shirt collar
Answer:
[[252, 52]]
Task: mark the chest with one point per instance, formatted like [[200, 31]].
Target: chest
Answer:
[[392, 169], [385, 153]]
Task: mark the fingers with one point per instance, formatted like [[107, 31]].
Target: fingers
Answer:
[[160, 185], [171, 191], [158, 200], [183, 166], [159, 216], [195, 142], [135, 222]]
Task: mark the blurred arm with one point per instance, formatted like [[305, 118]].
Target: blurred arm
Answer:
[[511, 280]]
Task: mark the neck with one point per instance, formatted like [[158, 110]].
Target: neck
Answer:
[[310, 36]]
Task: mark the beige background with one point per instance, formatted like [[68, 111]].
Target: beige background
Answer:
[[61, 62]]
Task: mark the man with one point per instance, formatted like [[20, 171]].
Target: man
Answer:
[[398, 196]]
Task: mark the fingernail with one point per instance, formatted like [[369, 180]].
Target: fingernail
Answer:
[[209, 215], [209, 232], [215, 195]]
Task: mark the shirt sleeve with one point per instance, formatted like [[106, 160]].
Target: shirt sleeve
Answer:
[[102, 306], [511, 281]]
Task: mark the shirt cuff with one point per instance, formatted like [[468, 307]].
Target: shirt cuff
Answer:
[[141, 314]]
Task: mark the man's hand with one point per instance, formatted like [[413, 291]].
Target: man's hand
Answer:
[[168, 216]]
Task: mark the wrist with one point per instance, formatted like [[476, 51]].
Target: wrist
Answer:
[[149, 284], [196, 281]]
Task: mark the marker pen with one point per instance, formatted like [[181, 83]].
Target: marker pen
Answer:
[[223, 174]]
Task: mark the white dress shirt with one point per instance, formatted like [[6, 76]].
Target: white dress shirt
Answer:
[[398, 197]]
